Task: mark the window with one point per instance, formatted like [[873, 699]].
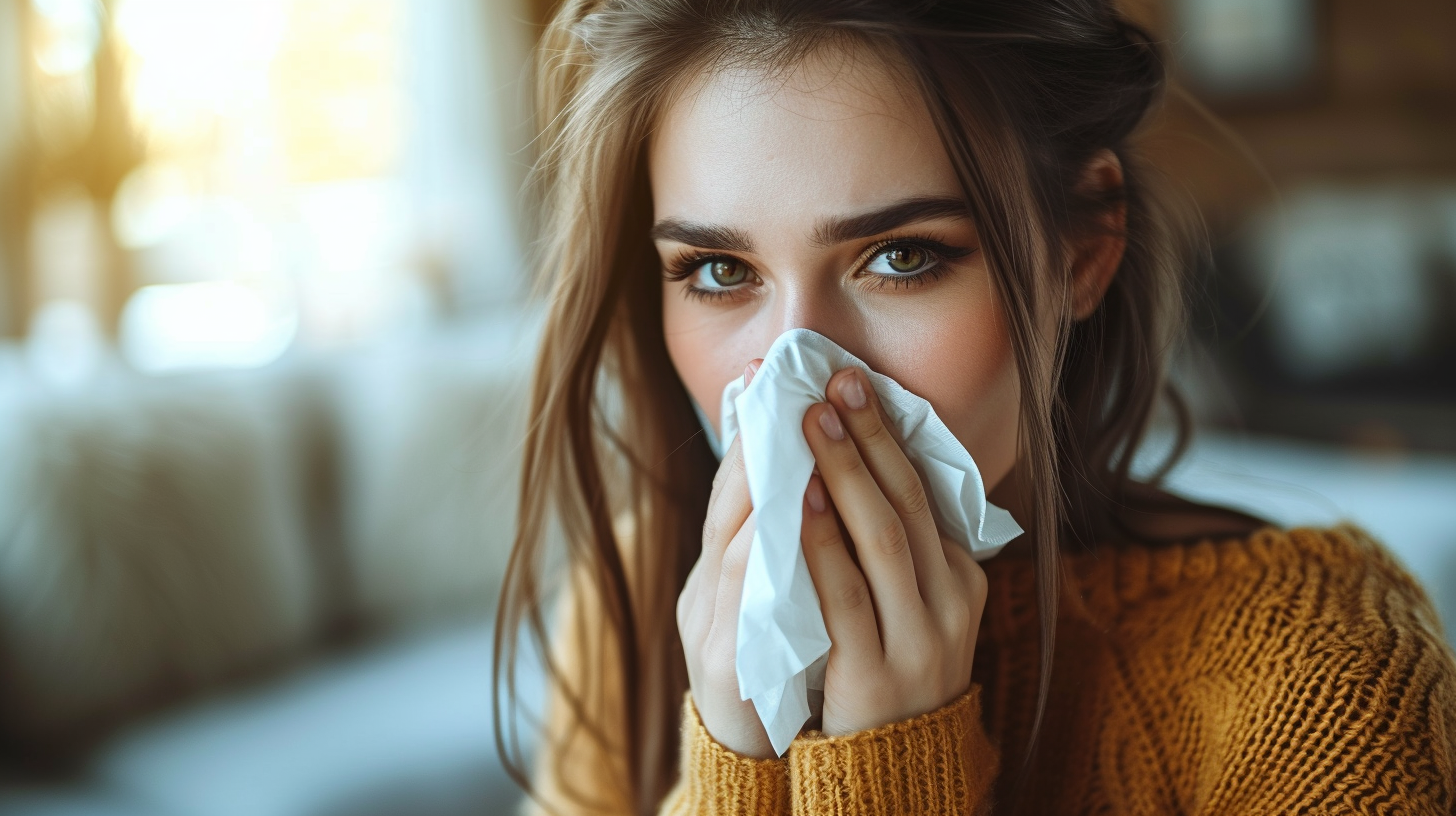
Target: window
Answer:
[[210, 183]]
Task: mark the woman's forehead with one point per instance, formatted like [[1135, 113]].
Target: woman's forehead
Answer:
[[838, 130]]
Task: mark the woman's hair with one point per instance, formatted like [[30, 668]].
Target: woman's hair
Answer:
[[1024, 93]]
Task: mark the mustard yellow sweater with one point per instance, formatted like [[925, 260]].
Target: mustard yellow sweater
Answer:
[[1298, 671]]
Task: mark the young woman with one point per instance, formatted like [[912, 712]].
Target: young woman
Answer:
[[949, 191]]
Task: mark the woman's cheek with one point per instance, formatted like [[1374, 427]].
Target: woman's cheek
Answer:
[[960, 359], [703, 351], [987, 424], [984, 409]]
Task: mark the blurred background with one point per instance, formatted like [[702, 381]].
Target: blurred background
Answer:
[[265, 335]]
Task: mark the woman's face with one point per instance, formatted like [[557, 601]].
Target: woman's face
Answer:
[[823, 199]]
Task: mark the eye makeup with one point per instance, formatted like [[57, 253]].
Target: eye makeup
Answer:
[[690, 265]]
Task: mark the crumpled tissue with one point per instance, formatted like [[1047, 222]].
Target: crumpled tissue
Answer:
[[782, 641]]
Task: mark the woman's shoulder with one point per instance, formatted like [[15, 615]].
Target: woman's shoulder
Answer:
[[1332, 588], [1316, 634], [1171, 559], [1301, 556], [1184, 539], [1170, 556], [1222, 548]]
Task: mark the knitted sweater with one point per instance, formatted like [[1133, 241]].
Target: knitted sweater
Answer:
[[1298, 671]]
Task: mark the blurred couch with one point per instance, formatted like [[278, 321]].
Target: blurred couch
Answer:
[[260, 593]]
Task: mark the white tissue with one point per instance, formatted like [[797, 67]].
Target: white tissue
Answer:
[[782, 642]]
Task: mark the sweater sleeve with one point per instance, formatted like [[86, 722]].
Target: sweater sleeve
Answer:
[[938, 764], [580, 765], [714, 780]]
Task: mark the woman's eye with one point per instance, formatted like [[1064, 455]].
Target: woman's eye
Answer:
[[720, 274], [901, 260]]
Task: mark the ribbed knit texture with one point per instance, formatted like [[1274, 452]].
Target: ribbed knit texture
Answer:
[[723, 782], [940, 762], [1287, 672]]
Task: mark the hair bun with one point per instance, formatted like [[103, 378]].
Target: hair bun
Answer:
[[1141, 74]]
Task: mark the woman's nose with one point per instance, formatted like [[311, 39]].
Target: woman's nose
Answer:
[[819, 309]]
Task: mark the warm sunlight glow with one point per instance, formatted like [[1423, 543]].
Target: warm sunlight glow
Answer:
[[204, 325], [67, 33], [200, 57], [254, 113]]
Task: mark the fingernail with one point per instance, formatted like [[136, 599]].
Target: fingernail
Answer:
[[816, 495], [852, 392], [750, 371], [829, 421]]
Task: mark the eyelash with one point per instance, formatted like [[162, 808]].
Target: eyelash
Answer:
[[939, 251]]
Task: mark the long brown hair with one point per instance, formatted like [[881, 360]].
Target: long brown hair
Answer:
[[1024, 93]]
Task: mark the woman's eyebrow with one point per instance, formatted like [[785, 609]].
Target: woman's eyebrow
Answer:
[[905, 211], [827, 233], [725, 239]]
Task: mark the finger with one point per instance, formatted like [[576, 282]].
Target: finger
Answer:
[[732, 463], [859, 409], [687, 599], [843, 593], [728, 508], [973, 584], [728, 505], [729, 581], [875, 528], [725, 466]]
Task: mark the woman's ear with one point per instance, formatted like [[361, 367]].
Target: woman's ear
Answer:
[[1097, 251]]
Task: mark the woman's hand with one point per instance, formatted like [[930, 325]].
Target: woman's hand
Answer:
[[903, 620], [707, 611]]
